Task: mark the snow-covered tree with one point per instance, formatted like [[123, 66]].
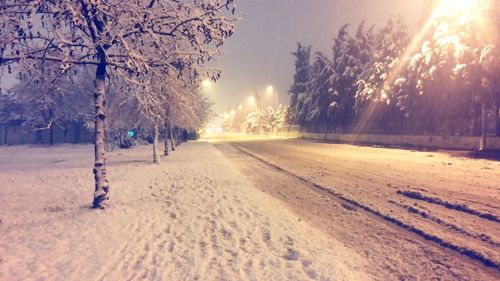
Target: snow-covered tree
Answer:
[[442, 84], [351, 54], [123, 113], [374, 108], [173, 102], [298, 90], [322, 99], [281, 122], [380, 82], [132, 38], [258, 120], [272, 117], [52, 99]]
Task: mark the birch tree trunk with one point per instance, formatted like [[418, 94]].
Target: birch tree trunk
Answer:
[[177, 139], [156, 156], [165, 141], [171, 136], [51, 128], [101, 198]]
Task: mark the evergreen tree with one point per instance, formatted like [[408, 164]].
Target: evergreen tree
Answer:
[[298, 89], [350, 55], [442, 83], [374, 108], [321, 100]]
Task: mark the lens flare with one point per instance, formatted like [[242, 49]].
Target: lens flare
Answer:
[[461, 6], [461, 13]]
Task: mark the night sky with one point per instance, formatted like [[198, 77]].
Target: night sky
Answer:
[[259, 53]]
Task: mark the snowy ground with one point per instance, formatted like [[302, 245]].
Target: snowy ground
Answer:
[[410, 214], [194, 217], [235, 207]]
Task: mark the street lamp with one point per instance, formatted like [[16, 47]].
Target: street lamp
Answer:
[[252, 101], [206, 83], [270, 90]]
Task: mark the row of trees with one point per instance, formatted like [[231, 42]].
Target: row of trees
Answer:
[[64, 103], [257, 120], [380, 81], [148, 57]]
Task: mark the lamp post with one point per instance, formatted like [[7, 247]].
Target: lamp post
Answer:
[[270, 90]]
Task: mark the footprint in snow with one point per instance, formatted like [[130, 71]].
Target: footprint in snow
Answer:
[[291, 254]]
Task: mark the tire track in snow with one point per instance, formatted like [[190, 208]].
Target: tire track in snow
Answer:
[[453, 206], [452, 227], [474, 255]]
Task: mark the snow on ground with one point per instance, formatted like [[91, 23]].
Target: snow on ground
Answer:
[[194, 217], [451, 199]]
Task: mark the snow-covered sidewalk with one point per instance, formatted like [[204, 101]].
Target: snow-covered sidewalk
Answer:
[[194, 217]]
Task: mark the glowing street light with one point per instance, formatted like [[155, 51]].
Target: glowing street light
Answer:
[[252, 101], [240, 107], [206, 83], [270, 90]]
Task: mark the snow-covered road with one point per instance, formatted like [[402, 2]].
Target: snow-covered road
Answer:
[[194, 217], [410, 214]]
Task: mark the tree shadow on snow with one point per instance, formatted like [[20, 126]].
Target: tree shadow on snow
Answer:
[[125, 162], [487, 155], [493, 155]]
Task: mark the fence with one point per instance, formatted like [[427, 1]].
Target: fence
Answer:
[[437, 142], [15, 135]]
